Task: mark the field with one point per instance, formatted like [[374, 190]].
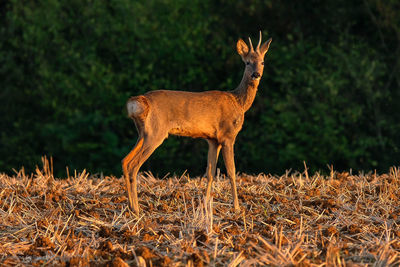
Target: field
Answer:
[[297, 219]]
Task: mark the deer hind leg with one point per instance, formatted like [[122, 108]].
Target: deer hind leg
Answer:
[[228, 154], [133, 164], [213, 152], [127, 172], [138, 109]]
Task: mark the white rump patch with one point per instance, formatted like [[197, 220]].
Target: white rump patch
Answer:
[[134, 108]]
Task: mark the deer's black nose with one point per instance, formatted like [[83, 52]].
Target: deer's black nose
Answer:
[[255, 75]]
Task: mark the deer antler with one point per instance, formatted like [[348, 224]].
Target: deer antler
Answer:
[[251, 46], [259, 43]]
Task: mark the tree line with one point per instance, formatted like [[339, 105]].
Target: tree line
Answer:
[[329, 94]]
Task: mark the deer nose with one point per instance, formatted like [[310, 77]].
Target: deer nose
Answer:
[[255, 75]]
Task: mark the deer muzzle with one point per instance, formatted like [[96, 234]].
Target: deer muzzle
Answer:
[[255, 75]]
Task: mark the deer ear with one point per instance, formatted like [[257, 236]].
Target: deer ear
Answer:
[[264, 48], [242, 48]]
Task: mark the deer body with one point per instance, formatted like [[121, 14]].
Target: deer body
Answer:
[[216, 116], [188, 113]]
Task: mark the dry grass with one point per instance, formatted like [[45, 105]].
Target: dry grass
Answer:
[[291, 220]]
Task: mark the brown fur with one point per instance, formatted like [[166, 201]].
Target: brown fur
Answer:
[[216, 116]]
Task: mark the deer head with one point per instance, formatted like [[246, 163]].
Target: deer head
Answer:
[[254, 59]]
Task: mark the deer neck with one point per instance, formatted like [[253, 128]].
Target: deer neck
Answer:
[[246, 91]]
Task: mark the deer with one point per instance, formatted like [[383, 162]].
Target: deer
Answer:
[[216, 116]]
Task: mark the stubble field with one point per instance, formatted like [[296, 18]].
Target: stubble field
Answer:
[[296, 219]]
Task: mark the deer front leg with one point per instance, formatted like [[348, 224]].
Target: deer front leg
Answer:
[[228, 154], [213, 152]]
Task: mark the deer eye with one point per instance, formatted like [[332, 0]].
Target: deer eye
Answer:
[[262, 63]]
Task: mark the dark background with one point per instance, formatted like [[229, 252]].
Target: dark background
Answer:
[[329, 95]]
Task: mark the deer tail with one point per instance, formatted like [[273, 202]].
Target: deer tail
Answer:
[[137, 107]]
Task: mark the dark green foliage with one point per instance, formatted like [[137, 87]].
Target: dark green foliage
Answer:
[[329, 94]]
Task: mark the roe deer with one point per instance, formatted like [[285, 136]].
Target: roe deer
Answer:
[[216, 116]]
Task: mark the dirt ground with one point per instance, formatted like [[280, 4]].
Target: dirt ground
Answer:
[[296, 219]]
